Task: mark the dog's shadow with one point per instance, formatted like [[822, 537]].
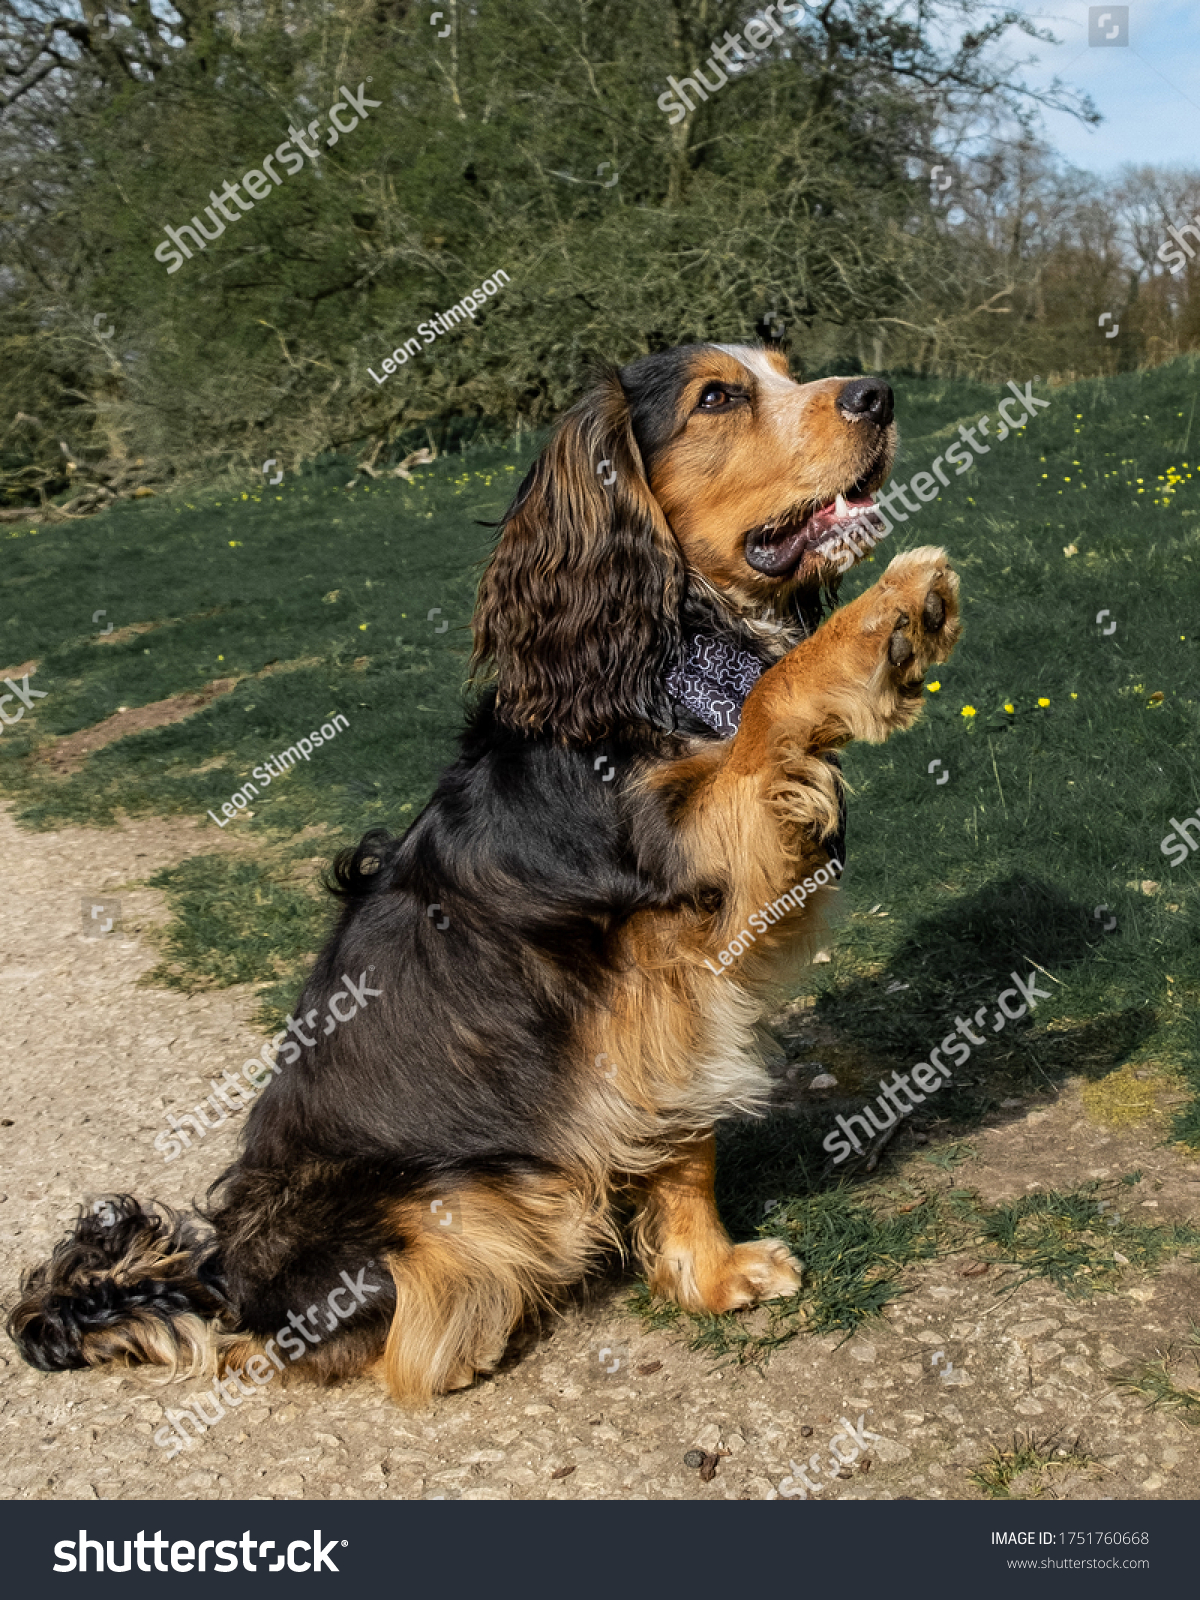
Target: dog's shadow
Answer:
[[949, 965]]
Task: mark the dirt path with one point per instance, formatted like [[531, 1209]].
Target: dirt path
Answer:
[[93, 1064]]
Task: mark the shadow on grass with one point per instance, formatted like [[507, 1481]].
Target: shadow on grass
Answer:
[[962, 958], [953, 964], [782, 1154]]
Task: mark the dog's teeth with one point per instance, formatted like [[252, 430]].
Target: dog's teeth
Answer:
[[840, 505]]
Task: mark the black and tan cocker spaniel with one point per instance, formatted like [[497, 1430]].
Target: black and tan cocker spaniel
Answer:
[[570, 950]]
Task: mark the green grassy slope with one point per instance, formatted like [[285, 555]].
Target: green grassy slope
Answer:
[[1052, 809], [335, 589], [1068, 750]]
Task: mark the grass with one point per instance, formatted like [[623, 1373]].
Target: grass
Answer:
[[861, 1248], [363, 597], [1155, 1382], [1122, 1100], [1080, 1242], [1051, 819], [1068, 750], [1026, 1470]]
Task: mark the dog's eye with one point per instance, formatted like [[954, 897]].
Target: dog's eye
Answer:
[[716, 397]]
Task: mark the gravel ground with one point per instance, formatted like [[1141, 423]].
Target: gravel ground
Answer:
[[951, 1372]]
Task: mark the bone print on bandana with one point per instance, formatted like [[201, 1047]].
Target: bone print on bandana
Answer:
[[713, 680]]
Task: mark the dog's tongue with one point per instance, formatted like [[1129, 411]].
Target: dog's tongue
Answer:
[[778, 551]]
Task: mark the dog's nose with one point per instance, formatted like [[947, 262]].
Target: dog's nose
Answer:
[[867, 397]]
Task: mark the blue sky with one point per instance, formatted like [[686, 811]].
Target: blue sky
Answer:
[[1148, 92]]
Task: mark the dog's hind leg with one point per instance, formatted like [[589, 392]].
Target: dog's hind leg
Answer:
[[475, 1260]]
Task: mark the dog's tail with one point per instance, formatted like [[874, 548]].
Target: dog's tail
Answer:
[[128, 1286]]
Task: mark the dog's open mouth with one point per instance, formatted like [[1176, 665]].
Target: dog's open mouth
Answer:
[[776, 548]]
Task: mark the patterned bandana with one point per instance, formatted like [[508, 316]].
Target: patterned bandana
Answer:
[[713, 680]]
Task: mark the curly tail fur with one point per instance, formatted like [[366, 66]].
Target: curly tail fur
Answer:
[[128, 1286]]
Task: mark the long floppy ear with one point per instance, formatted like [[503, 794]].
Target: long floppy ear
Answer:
[[578, 611]]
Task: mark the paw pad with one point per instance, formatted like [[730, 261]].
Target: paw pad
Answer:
[[899, 648], [933, 613]]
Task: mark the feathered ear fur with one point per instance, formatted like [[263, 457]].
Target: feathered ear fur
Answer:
[[578, 611]]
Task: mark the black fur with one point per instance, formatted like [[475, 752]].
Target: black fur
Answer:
[[459, 1067], [75, 1293]]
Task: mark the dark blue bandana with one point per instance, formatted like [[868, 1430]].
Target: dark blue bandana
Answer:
[[713, 680]]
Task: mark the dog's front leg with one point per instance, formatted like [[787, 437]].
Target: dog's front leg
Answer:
[[749, 816], [860, 675], [752, 813], [688, 1256]]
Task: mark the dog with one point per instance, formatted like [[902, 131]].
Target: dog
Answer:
[[663, 680]]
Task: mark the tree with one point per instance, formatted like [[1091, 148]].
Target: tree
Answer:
[[538, 136]]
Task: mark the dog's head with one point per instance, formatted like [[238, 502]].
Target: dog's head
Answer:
[[756, 474], [708, 460]]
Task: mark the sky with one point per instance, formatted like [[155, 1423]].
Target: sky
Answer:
[[1148, 90]]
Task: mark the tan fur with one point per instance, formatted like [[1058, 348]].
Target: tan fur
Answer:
[[461, 1295], [688, 1256], [184, 1348]]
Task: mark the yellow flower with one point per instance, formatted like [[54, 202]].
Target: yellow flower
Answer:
[[968, 711], [1043, 702], [234, 543], [1074, 696], [1008, 706], [933, 687], [363, 626]]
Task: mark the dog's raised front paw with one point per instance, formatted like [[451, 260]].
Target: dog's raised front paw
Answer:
[[914, 606]]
